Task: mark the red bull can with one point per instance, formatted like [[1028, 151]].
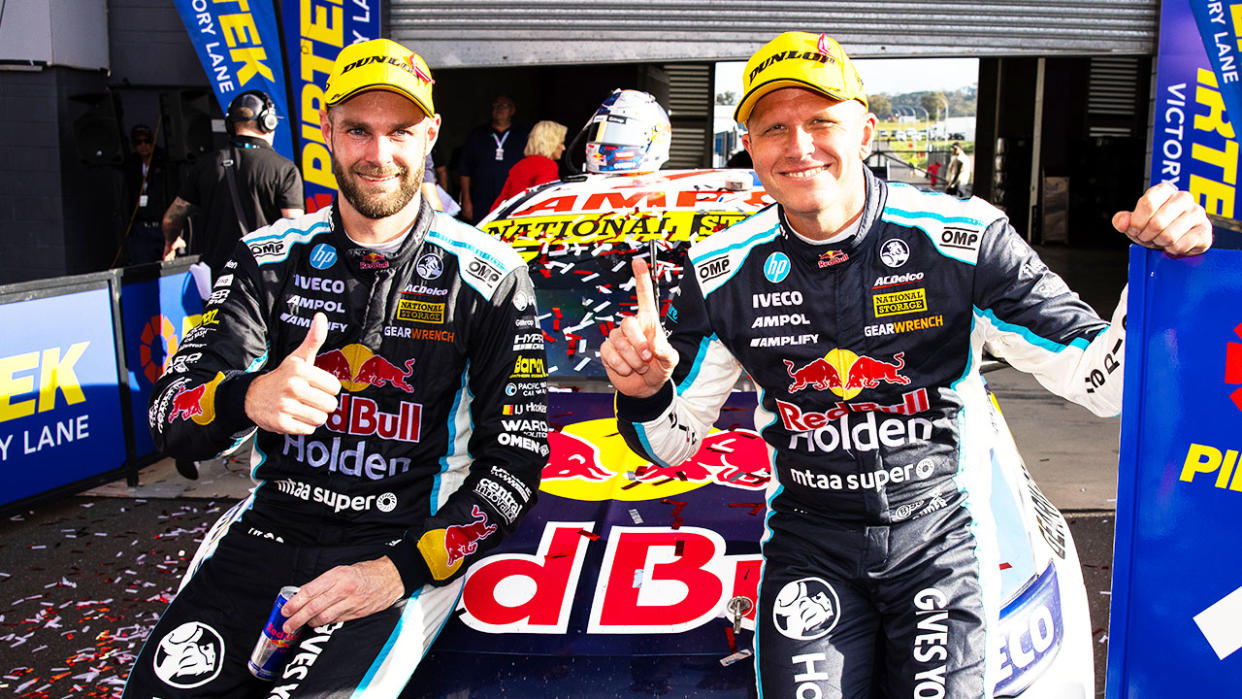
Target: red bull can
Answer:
[[274, 645]]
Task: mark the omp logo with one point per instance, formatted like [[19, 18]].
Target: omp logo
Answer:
[[959, 238], [713, 268], [49, 371], [267, 249], [482, 271]]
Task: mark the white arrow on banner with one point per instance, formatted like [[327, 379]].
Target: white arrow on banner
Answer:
[[1219, 624]]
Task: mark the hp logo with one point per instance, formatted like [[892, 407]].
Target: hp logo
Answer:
[[776, 267]]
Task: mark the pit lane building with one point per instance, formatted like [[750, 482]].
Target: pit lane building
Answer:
[[1064, 92]]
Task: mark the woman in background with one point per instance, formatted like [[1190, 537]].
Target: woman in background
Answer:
[[543, 148]]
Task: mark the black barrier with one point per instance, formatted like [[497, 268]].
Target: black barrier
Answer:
[[75, 376]]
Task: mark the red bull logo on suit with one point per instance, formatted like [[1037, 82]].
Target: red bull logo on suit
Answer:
[[845, 373], [358, 367]]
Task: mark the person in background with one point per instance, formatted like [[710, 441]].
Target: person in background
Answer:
[[957, 175], [429, 184], [149, 182], [879, 431], [544, 147], [487, 155], [268, 185]]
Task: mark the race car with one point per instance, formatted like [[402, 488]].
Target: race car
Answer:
[[631, 578]]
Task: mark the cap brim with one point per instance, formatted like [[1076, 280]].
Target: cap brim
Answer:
[[758, 92], [386, 87]]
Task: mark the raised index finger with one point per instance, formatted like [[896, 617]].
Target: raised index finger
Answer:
[[648, 312]]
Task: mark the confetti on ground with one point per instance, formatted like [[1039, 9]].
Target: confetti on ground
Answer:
[[75, 617]]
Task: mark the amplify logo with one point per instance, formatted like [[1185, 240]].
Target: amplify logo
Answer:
[[1233, 367], [845, 373], [358, 367]]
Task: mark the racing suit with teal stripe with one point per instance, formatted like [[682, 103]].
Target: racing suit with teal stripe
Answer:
[[867, 353], [432, 456]]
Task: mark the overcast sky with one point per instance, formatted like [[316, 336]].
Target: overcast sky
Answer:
[[889, 75]]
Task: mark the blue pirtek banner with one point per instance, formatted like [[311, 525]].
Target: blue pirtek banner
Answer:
[[1199, 83], [319, 28], [60, 418], [1176, 618], [238, 44]]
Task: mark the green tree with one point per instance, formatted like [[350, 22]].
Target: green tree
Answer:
[[934, 102], [880, 106]]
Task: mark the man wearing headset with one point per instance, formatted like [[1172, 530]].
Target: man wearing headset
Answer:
[[265, 185]]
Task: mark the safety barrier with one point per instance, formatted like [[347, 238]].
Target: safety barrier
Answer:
[[78, 357]]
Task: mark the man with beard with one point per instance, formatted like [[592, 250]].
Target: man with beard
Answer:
[[375, 346], [243, 186]]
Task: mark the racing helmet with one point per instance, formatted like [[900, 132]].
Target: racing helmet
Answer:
[[629, 133]]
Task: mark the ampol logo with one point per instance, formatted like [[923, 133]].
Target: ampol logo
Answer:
[[358, 367], [590, 461], [845, 373], [198, 403]]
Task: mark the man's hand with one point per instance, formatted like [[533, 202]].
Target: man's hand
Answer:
[[344, 593], [637, 356], [297, 396], [170, 249], [1167, 219]]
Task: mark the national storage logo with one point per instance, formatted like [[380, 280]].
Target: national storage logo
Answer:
[[898, 302], [412, 311]]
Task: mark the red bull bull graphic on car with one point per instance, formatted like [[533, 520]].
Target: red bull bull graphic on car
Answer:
[[845, 373], [589, 462]]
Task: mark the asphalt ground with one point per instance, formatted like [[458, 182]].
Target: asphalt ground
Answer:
[[84, 578]]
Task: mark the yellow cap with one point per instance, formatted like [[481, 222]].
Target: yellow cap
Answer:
[[380, 64], [799, 59]]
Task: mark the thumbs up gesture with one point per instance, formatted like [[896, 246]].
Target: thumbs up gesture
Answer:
[[637, 355], [297, 396]]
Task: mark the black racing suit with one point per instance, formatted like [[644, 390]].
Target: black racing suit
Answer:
[[433, 454], [866, 353]]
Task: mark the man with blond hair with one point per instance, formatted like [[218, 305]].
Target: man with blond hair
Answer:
[[880, 560]]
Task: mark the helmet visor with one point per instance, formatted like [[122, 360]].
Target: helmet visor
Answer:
[[618, 130]]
